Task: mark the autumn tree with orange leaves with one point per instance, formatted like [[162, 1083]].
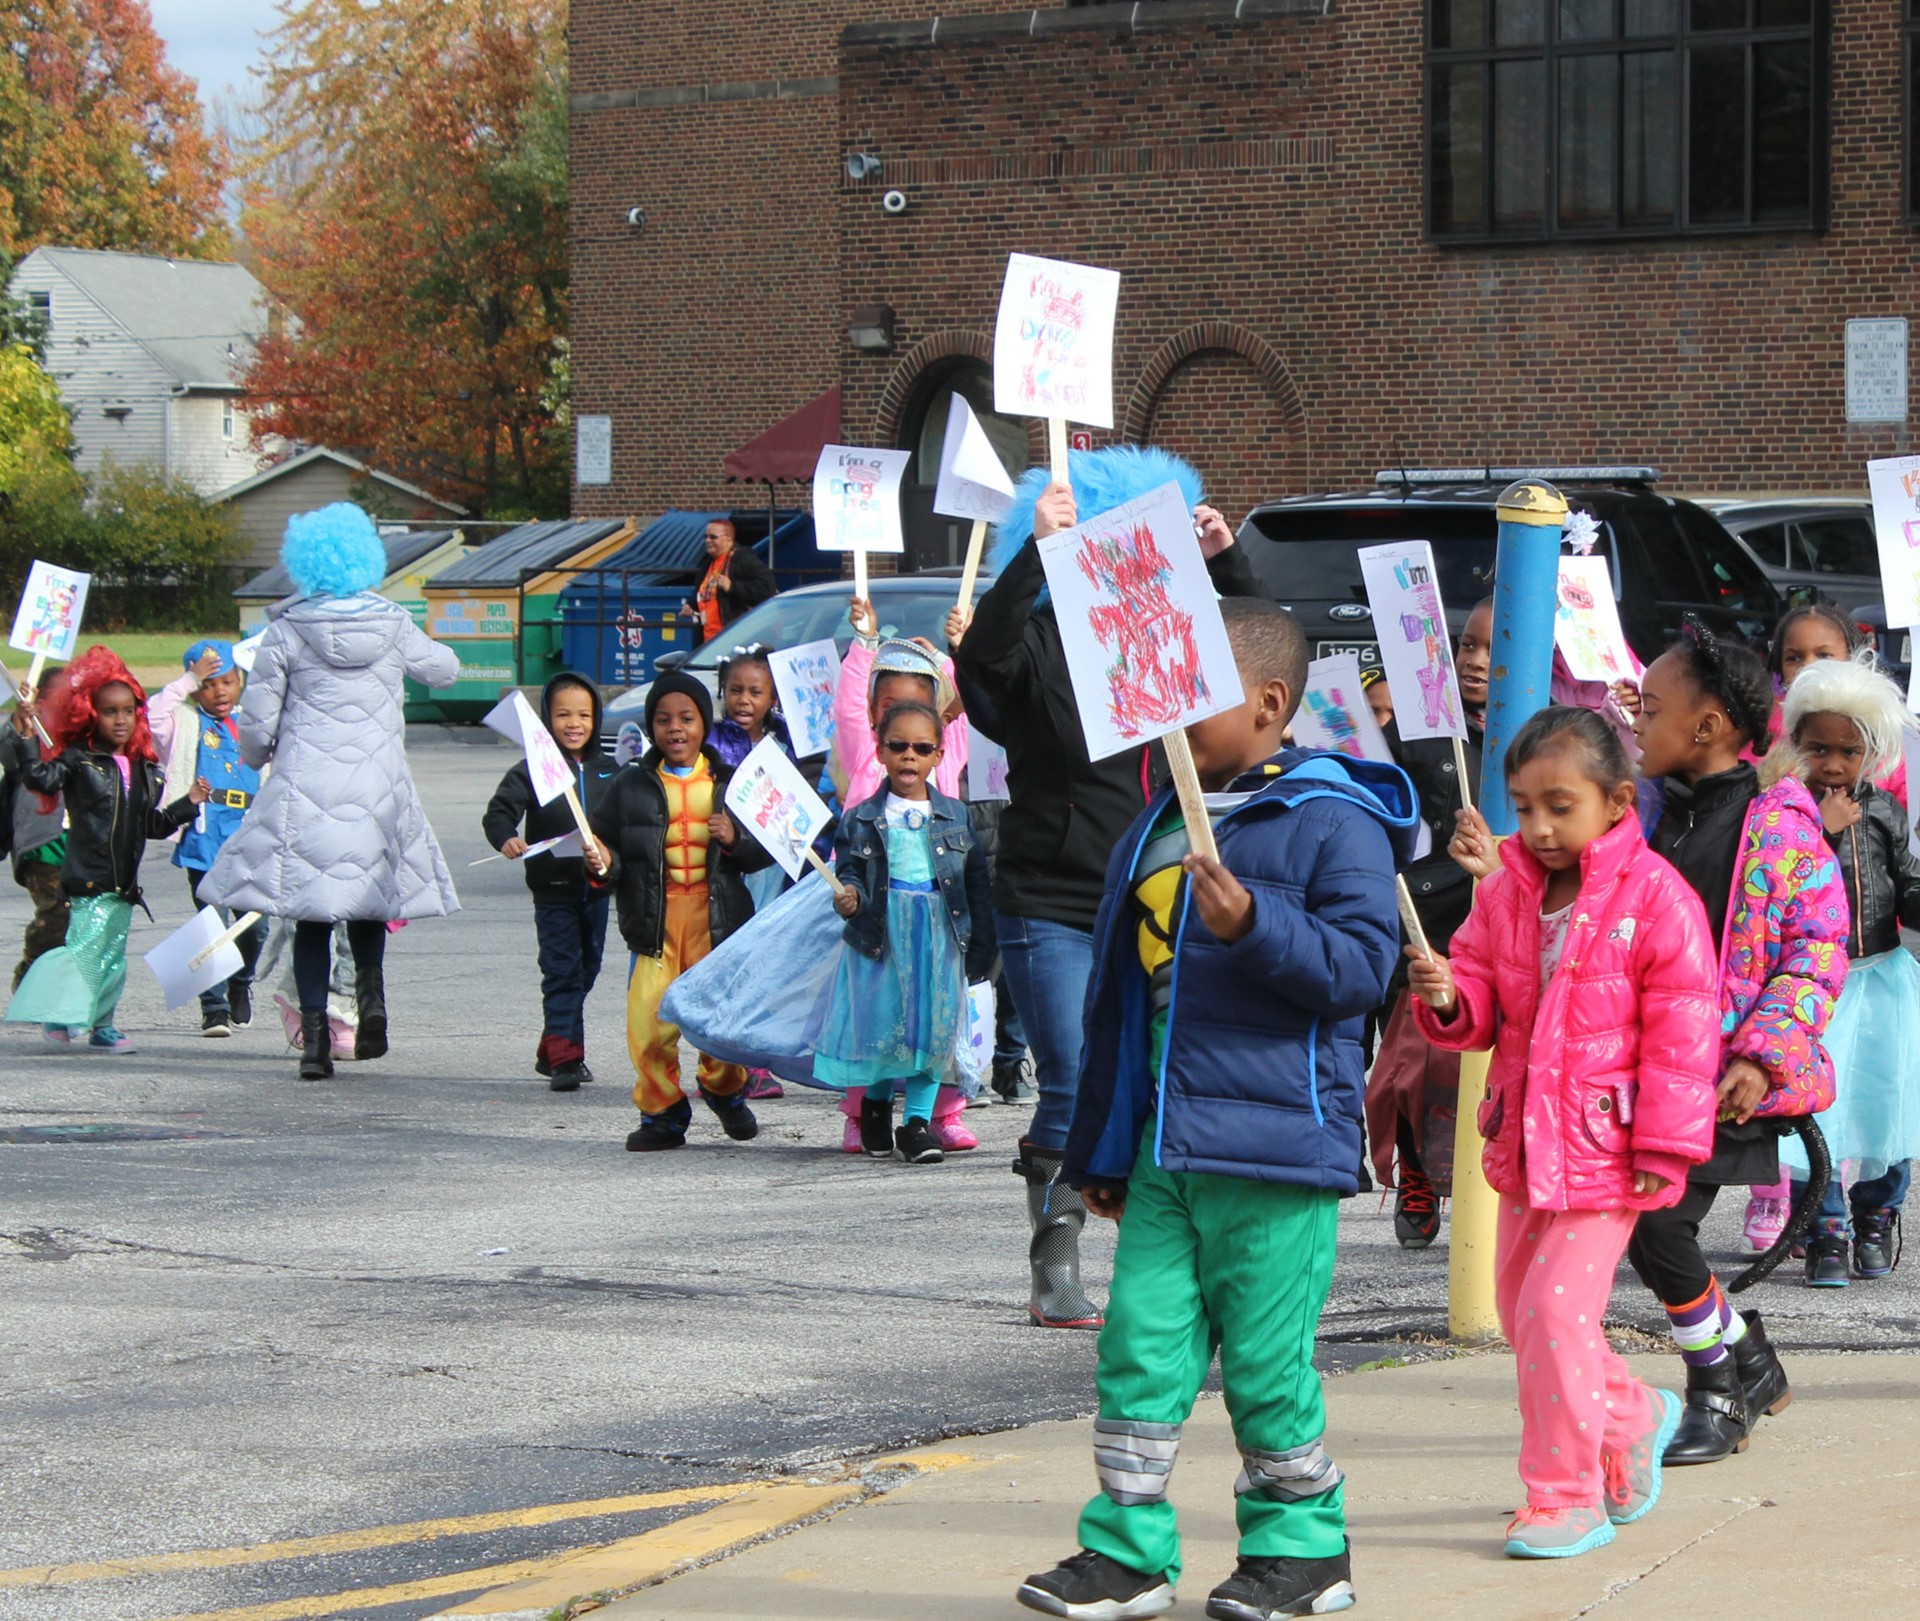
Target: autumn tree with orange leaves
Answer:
[[102, 144], [419, 250]]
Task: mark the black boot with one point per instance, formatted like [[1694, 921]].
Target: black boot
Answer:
[[1055, 1214], [370, 998], [316, 1046], [1762, 1380], [1715, 1423]]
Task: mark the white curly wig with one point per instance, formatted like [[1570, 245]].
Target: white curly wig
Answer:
[[1855, 688]]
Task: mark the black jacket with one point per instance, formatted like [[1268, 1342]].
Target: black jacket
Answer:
[[1066, 812], [107, 825], [1442, 889], [1880, 872], [514, 812], [752, 583], [631, 821], [959, 865]]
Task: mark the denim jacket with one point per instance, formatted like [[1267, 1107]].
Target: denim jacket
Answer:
[[960, 868]]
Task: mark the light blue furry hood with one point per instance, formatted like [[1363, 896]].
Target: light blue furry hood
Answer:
[[1102, 480]]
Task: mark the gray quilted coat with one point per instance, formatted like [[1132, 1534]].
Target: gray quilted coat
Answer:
[[337, 831]]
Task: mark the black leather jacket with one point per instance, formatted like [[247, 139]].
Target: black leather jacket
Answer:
[[1880, 872], [959, 866], [631, 821], [107, 825]]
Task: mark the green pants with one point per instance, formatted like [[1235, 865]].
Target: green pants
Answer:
[[1205, 1263]]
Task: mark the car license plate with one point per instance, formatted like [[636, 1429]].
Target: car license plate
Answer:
[[1366, 652]]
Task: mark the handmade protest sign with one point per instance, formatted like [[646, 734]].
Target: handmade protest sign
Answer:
[[1586, 624], [513, 717], [973, 484], [772, 802], [561, 844], [986, 768], [1416, 649], [198, 955], [1334, 712], [1053, 346], [48, 622], [856, 504], [1141, 629], [1895, 486], [805, 678]]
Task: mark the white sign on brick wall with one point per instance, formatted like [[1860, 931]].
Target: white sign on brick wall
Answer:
[[1877, 370], [593, 450]]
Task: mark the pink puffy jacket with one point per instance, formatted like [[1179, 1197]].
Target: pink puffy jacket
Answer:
[[1613, 1070]]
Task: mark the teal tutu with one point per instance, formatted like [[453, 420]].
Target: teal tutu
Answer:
[[1874, 1042], [900, 1016], [79, 984]]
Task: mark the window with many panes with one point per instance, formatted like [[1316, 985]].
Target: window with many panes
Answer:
[[1564, 118]]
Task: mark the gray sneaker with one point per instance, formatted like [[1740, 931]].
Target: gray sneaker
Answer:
[[1558, 1533], [1633, 1476]]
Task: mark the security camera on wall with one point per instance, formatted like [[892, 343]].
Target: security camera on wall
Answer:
[[636, 217], [894, 202]]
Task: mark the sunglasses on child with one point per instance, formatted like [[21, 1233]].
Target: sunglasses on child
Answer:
[[901, 745]]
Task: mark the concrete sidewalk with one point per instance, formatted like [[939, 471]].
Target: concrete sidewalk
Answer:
[[1820, 1516]]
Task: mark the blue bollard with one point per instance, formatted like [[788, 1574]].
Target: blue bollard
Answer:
[[1525, 599]]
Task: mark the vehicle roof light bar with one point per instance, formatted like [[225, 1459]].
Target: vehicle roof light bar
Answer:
[[1509, 475]]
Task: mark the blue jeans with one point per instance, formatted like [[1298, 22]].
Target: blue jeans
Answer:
[[1046, 966], [573, 935], [1887, 1192], [1009, 1034]]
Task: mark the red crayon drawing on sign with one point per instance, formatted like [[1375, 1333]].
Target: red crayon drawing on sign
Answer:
[[1155, 676]]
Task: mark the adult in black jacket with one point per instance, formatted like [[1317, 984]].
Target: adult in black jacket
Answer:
[[569, 913], [735, 580], [1065, 814]]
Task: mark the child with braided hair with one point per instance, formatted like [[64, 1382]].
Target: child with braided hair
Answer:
[[103, 762], [1777, 910]]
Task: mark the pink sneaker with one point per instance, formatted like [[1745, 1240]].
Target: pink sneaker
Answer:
[[1766, 1221], [952, 1134]]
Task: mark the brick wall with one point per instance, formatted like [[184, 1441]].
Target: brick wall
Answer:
[[1258, 182]]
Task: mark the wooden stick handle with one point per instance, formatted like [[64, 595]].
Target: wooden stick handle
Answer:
[[1057, 449], [225, 937], [1193, 799], [860, 573], [1410, 918], [1460, 770], [970, 575], [587, 841], [33, 670], [26, 692], [826, 872]]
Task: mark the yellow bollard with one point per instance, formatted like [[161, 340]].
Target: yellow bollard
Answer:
[[1474, 1213]]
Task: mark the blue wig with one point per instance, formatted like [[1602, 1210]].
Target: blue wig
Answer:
[[333, 552], [1102, 480]]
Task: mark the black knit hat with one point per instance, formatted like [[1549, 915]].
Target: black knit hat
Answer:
[[671, 681]]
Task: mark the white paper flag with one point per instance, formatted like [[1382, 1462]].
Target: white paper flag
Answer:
[[973, 480], [513, 717], [171, 960]]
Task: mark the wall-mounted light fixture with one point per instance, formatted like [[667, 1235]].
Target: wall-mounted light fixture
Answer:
[[871, 329]]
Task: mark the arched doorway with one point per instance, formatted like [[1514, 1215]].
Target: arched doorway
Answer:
[[934, 541]]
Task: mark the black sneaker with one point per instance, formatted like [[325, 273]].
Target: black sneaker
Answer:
[[1827, 1254], [215, 1024], [1260, 1589], [240, 1005], [876, 1127], [736, 1119], [1416, 1212], [917, 1145], [567, 1076], [661, 1131], [1009, 1082], [1092, 1587], [1876, 1243]]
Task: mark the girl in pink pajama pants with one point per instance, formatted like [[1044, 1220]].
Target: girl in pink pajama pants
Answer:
[[1587, 966]]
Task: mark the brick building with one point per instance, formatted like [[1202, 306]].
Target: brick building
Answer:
[[1353, 233]]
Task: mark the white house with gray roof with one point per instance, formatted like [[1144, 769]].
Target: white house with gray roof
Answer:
[[149, 353]]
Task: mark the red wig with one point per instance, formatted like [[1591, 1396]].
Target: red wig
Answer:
[[68, 712]]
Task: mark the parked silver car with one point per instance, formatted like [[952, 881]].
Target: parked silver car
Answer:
[[1818, 543]]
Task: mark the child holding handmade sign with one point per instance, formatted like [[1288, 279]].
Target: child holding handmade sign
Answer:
[[39, 845], [874, 676], [676, 859], [197, 736], [914, 892], [569, 912], [106, 768]]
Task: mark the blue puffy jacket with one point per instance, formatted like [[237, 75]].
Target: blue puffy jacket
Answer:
[[1263, 1066]]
